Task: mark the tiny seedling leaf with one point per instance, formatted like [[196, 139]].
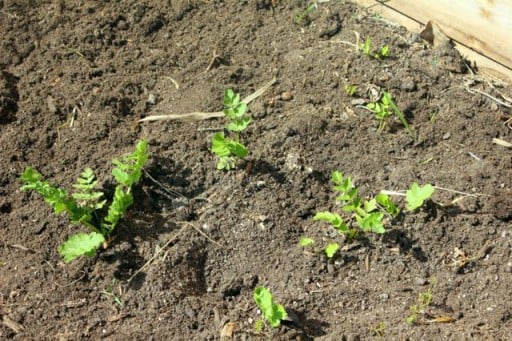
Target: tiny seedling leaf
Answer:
[[81, 244], [417, 195], [272, 312], [306, 241], [372, 222], [331, 249], [389, 206], [220, 145]]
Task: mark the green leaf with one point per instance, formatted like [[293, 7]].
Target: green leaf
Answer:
[[226, 163], [273, 313], [389, 206], [417, 195], [334, 219], [306, 241], [370, 206], [81, 244], [128, 168], [337, 177], [372, 222], [122, 200], [56, 197], [331, 249], [231, 98], [85, 185], [220, 146], [237, 149], [239, 124]]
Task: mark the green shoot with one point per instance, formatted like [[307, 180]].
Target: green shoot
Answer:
[[225, 148], [384, 109], [379, 330], [417, 195], [362, 216], [366, 49], [299, 18], [330, 249], [272, 312], [350, 89], [84, 205], [306, 241], [424, 300]]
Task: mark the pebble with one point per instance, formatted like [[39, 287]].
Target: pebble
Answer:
[[151, 99], [286, 96], [446, 136], [420, 281], [508, 267]]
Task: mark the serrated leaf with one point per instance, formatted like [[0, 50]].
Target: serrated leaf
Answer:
[[372, 222], [81, 244], [128, 168], [331, 249], [370, 206], [220, 145], [122, 200], [240, 124], [225, 162], [417, 195], [273, 313], [237, 149], [306, 241]]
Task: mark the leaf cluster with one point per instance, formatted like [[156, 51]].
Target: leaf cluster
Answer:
[[385, 108], [366, 49], [227, 149], [85, 204], [363, 216], [272, 312]]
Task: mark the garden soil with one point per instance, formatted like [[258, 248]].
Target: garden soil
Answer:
[[76, 76]]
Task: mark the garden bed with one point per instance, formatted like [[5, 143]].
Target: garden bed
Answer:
[[186, 258]]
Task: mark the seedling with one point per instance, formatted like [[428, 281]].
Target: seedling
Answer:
[[85, 206], [424, 300], [417, 195], [384, 108], [350, 89], [299, 18], [366, 49], [272, 312], [379, 330], [363, 216], [227, 149]]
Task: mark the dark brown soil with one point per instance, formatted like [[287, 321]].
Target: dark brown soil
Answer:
[[77, 75]]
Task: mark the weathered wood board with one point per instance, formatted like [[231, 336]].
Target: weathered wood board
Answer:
[[477, 26]]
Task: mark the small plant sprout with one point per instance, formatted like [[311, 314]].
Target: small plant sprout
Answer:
[[424, 300], [272, 312], [85, 205], [350, 89], [366, 49], [228, 149], [363, 216], [299, 18], [384, 108], [379, 330], [417, 195]]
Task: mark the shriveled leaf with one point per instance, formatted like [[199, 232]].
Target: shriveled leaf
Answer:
[[81, 244]]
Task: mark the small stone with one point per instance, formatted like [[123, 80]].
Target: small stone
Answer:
[[446, 136], [508, 267], [383, 297], [408, 84], [420, 281], [357, 101], [151, 99], [286, 96]]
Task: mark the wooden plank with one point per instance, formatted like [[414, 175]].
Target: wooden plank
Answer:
[[479, 27]]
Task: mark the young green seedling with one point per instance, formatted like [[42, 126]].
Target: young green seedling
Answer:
[[299, 18], [417, 195], [225, 148], [384, 109], [366, 49], [272, 312], [84, 205], [424, 300], [363, 216], [350, 89]]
